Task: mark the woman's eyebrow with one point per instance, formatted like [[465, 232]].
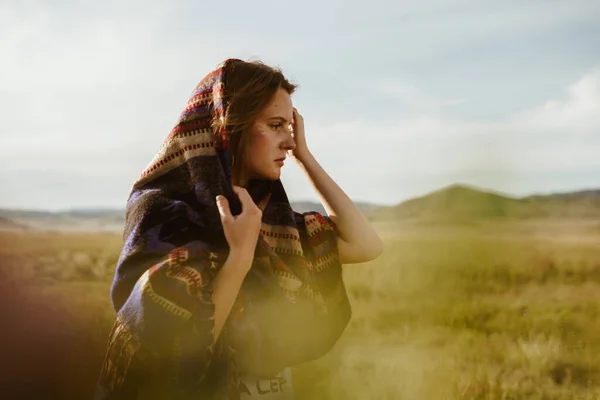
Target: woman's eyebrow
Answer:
[[278, 118]]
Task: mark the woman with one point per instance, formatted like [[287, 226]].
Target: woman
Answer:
[[221, 286]]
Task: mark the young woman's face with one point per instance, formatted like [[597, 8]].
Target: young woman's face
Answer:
[[270, 138]]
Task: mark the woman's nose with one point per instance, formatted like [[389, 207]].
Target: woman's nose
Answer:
[[289, 143]]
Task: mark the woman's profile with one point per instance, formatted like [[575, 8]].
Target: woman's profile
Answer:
[[221, 286]]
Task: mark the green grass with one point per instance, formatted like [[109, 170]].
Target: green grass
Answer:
[[470, 311], [504, 310]]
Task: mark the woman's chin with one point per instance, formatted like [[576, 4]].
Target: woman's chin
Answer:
[[270, 176], [274, 174]]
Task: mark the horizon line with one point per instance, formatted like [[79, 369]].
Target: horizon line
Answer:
[[441, 188]]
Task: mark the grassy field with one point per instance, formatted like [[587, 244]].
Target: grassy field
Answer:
[[479, 310]]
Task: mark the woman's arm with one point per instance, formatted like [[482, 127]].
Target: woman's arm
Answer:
[[241, 232], [226, 286], [358, 241]]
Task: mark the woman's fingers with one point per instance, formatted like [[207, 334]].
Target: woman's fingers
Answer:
[[223, 206]]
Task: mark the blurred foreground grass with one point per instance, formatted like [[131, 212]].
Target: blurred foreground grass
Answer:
[[503, 310]]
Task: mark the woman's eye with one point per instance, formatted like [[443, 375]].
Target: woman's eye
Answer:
[[276, 126]]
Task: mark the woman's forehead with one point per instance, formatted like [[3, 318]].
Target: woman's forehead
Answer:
[[280, 106]]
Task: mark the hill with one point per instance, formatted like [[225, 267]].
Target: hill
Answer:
[[106, 219], [452, 203], [8, 224], [459, 202], [579, 204], [304, 206], [83, 220]]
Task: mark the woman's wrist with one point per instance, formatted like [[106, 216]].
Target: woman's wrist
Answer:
[[241, 256]]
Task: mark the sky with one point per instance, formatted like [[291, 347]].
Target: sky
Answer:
[[399, 98]]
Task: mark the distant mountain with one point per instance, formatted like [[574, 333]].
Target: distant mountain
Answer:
[[109, 219], [458, 202], [66, 220], [8, 224], [304, 206], [584, 203], [451, 203]]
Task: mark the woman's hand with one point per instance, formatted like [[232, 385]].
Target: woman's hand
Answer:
[[241, 231], [300, 152]]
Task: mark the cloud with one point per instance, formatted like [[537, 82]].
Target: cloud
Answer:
[[393, 95], [553, 146], [560, 134], [578, 115], [389, 160], [78, 79], [415, 98]]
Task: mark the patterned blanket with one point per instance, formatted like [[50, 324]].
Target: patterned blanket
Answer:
[[292, 306]]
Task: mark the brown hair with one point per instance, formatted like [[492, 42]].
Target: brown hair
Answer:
[[248, 89]]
